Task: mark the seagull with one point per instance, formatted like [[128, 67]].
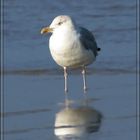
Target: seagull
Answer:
[[71, 46]]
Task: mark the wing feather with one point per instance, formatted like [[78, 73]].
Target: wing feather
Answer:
[[88, 41]]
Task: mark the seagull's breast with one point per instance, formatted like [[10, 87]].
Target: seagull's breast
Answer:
[[67, 50]]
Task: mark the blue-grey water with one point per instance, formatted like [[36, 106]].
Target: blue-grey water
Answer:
[[33, 83]]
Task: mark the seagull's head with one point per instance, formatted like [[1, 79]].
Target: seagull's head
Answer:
[[59, 22]]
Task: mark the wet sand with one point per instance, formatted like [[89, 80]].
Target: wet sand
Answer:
[[32, 101]]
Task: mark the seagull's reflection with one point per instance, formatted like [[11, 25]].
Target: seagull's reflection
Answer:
[[77, 122]]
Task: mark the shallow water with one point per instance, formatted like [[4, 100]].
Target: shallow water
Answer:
[[33, 83]]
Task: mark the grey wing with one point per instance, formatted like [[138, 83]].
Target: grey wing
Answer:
[[88, 41]]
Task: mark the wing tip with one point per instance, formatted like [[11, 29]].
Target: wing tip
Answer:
[[98, 49]]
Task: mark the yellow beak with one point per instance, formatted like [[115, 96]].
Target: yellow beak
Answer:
[[46, 30]]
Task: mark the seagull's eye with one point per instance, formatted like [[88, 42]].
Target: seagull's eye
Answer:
[[59, 23]]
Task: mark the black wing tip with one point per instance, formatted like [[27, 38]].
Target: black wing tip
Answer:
[[98, 49]]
